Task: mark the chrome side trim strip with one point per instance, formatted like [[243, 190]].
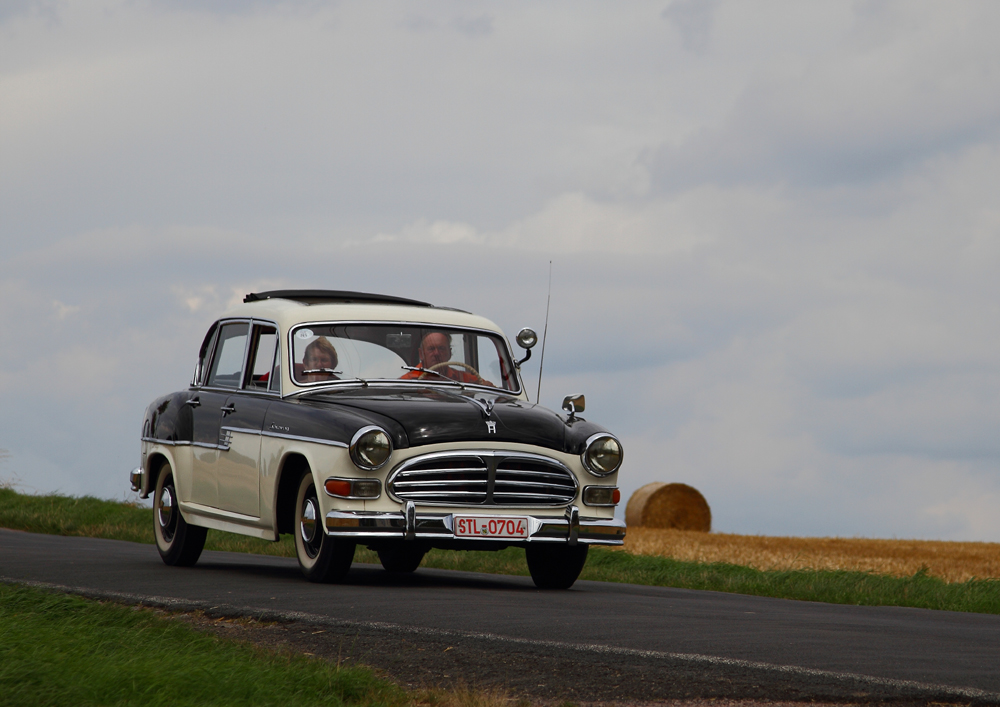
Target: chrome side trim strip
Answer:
[[168, 442], [217, 513], [179, 443], [244, 430], [299, 438]]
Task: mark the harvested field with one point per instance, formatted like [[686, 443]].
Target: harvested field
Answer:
[[951, 561]]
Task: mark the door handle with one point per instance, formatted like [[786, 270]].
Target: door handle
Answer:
[[193, 402], [226, 409]]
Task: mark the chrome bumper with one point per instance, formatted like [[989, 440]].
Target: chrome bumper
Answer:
[[410, 525], [136, 477]]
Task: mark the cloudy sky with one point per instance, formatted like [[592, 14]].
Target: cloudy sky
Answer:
[[774, 227]]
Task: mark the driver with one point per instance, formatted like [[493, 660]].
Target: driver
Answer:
[[435, 349], [318, 355]]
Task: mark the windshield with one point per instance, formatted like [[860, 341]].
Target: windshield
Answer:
[[325, 353]]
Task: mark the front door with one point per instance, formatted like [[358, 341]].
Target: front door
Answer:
[[225, 372], [238, 465], [206, 411]]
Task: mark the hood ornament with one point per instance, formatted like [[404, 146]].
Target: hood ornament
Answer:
[[485, 405]]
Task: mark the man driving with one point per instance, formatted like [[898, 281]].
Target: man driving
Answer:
[[435, 350]]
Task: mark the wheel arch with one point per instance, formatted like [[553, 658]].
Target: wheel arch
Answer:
[[154, 465], [293, 466]]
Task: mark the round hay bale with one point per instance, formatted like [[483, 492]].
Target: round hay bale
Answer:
[[660, 505]]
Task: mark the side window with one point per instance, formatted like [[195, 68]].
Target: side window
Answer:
[[227, 365], [265, 340]]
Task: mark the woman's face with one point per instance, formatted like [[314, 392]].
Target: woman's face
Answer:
[[318, 358]]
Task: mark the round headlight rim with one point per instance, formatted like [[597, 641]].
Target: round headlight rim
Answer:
[[526, 338], [355, 455], [586, 451]]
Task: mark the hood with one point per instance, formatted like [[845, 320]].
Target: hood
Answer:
[[435, 416]]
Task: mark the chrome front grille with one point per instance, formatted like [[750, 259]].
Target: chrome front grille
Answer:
[[532, 482], [508, 479], [457, 481]]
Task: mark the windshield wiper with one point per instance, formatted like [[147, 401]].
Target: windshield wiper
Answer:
[[321, 370], [427, 370]]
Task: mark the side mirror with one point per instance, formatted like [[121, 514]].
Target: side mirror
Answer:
[[526, 338], [574, 404]]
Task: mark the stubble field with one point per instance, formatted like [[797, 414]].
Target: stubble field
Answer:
[[951, 561]]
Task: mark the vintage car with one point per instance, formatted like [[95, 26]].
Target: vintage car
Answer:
[[345, 418]]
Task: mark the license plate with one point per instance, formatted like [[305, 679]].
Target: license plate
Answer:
[[486, 527]]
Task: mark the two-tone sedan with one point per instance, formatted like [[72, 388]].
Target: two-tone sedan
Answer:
[[345, 418]]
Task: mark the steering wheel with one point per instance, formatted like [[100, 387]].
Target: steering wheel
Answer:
[[455, 363]]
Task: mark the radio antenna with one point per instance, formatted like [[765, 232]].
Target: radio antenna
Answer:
[[545, 333]]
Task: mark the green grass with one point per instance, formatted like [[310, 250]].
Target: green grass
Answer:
[[63, 650], [108, 519]]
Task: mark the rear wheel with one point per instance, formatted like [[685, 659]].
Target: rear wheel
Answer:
[[322, 558], [401, 557], [180, 544], [555, 566]]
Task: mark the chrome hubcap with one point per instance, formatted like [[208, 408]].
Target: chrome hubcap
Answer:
[[307, 523], [165, 511]]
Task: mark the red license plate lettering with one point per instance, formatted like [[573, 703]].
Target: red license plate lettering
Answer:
[[487, 527]]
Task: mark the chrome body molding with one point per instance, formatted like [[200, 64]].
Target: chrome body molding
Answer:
[[179, 443], [299, 438], [244, 430], [439, 527], [230, 430]]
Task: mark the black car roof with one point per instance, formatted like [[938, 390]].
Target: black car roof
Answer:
[[330, 296]]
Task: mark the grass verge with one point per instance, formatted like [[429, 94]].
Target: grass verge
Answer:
[[63, 650], [108, 519]]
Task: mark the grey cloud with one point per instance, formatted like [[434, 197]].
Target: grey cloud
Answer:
[[48, 10], [693, 19], [872, 101], [763, 144], [479, 26], [236, 7]]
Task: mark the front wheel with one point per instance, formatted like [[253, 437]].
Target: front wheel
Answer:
[[555, 566], [180, 544], [322, 558]]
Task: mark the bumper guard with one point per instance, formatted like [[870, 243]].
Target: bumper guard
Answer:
[[137, 477]]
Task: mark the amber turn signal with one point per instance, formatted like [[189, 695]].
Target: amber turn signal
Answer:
[[338, 487]]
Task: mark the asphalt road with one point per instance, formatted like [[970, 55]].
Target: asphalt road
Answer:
[[597, 640]]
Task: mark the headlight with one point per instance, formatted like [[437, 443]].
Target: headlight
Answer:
[[370, 448], [603, 455]]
